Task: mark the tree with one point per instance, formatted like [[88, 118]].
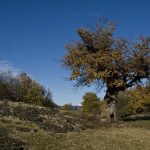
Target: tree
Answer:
[[91, 103], [22, 88], [24, 85], [99, 57], [48, 100], [31, 91], [67, 107], [35, 94], [8, 84]]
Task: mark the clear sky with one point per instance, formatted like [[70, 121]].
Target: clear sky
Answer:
[[33, 34]]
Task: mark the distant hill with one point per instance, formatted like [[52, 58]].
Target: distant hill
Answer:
[[78, 108]]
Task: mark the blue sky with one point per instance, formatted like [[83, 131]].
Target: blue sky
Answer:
[[33, 34]]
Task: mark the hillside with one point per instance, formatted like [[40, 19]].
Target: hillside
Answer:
[[24, 126]]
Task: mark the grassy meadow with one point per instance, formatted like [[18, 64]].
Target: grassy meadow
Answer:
[[22, 133]]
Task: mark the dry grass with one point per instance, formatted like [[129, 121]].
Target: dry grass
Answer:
[[30, 136], [17, 133]]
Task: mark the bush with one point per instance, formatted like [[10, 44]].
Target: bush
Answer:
[[133, 101], [123, 105]]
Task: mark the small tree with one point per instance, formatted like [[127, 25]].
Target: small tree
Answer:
[[35, 94], [8, 85], [48, 100], [67, 107], [99, 57], [91, 103], [25, 83]]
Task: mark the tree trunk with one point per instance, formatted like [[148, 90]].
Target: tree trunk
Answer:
[[111, 97], [112, 114], [109, 113]]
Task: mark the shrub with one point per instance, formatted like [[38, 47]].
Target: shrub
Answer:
[[133, 101]]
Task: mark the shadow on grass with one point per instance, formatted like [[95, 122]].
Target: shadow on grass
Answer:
[[50, 120], [137, 117], [9, 143]]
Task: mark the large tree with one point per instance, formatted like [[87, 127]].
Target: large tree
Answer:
[[99, 57]]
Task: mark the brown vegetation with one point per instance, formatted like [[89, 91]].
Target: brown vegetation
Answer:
[[24, 126], [99, 57]]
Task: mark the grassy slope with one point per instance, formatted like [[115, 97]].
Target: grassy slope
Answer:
[[16, 133]]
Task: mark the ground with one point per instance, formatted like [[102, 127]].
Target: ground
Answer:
[[17, 133]]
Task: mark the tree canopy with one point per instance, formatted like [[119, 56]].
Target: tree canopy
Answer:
[[100, 57]]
